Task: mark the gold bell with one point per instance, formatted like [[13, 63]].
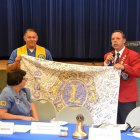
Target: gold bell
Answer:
[[80, 132]]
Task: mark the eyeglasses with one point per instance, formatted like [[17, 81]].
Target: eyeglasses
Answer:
[[24, 78]]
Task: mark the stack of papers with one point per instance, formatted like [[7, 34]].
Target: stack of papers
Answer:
[[121, 127]]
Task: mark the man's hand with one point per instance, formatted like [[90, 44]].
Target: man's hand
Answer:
[[119, 66], [109, 58], [18, 59], [15, 65]]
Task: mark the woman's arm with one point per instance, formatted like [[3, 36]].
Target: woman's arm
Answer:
[[34, 112], [8, 116]]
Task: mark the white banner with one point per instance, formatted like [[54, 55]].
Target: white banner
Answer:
[[93, 87]]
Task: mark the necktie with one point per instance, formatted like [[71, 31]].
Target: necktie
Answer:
[[117, 59]]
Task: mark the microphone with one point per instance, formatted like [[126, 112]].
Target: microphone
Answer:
[[111, 63]]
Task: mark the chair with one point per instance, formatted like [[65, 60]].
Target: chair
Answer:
[[45, 109], [138, 83], [3, 77], [133, 118], [133, 45], [69, 114]]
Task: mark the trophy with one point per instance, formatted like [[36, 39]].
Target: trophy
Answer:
[[80, 132]]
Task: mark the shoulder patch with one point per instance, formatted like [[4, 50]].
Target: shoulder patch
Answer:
[[3, 103]]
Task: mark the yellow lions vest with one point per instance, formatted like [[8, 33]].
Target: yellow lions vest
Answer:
[[40, 51]]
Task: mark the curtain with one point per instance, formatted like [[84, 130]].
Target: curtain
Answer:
[[70, 29]]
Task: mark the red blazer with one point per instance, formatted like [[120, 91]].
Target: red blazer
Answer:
[[128, 88]]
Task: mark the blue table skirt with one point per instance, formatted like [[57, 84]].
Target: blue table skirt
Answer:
[[71, 130]]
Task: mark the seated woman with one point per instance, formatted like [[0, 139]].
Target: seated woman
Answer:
[[15, 100]]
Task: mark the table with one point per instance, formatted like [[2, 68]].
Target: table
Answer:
[[71, 127]]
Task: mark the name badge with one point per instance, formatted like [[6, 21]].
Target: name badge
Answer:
[[6, 127], [104, 134], [44, 128]]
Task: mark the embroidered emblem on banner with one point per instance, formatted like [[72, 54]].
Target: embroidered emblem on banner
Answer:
[[74, 89]]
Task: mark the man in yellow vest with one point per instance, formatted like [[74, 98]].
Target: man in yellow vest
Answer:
[[30, 48]]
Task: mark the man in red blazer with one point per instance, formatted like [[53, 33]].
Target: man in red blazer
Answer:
[[129, 63]]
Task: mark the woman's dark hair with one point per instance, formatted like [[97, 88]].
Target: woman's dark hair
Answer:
[[15, 77]]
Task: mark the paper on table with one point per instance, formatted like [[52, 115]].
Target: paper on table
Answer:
[[6, 127], [22, 128], [104, 134], [135, 135], [117, 126], [59, 122], [44, 128]]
